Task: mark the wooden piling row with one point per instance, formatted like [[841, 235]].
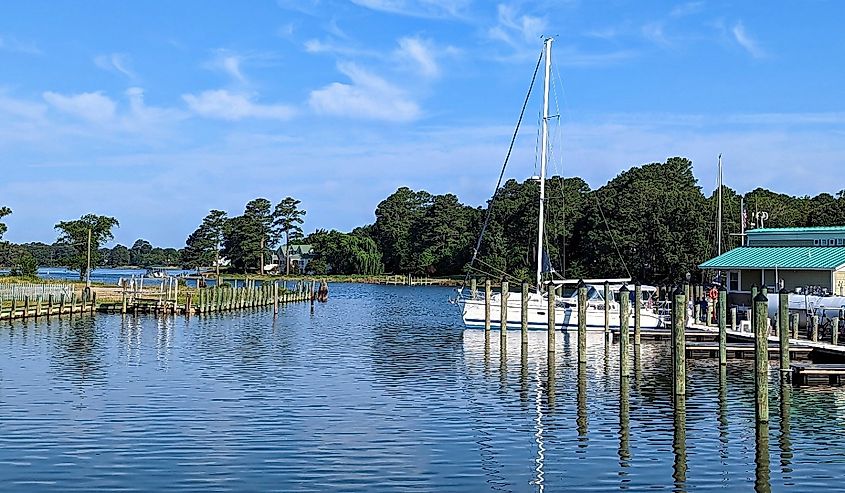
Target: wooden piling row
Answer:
[[38, 307]]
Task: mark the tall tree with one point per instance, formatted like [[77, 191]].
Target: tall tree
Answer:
[[394, 227], [119, 255], [259, 211], [203, 245], [4, 211], [287, 218], [140, 252], [243, 243], [76, 234]]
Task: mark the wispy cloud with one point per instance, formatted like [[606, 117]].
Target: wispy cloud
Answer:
[[14, 45], [685, 9], [115, 62], [422, 53], [368, 97], [229, 63], [517, 30], [227, 105], [746, 41], [419, 8], [90, 106]]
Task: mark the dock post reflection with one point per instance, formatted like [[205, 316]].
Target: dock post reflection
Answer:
[[624, 426], [550, 381], [582, 420], [785, 440], [762, 477], [679, 443], [723, 413], [523, 376]]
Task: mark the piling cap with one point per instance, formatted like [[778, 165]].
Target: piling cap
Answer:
[[761, 298], [679, 291], [722, 289], [783, 291], [754, 286], [581, 284], [624, 289]]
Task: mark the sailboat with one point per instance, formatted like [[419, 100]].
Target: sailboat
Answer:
[[566, 307]]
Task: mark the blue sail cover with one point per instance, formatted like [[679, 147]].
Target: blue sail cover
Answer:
[[547, 263]]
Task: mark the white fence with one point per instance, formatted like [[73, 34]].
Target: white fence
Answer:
[[18, 291]]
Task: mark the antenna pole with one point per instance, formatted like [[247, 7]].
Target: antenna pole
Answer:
[[719, 213], [543, 158]]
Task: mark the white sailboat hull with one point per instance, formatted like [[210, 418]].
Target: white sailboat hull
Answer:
[[566, 317]]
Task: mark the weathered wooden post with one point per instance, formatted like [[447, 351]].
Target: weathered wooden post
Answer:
[[733, 318], [93, 301], [794, 318], [14, 308], [679, 365], [37, 306], [188, 304], [723, 329], [814, 335], [25, 307], [754, 292], [638, 298], [276, 298], [687, 299], [503, 317], [696, 308], [524, 318], [582, 322], [834, 330], [550, 297], [761, 358], [624, 334], [606, 309], [72, 303], [473, 287], [783, 330], [61, 304], [49, 305], [488, 293]]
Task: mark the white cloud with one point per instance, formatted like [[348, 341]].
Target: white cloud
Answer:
[[228, 105], [9, 43], [91, 106], [686, 9], [747, 42], [517, 30], [229, 63], [368, 96], [418, 8], [421, 52], [115, 62]]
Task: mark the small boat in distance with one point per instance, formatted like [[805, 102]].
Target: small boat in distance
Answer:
[[473, 306]]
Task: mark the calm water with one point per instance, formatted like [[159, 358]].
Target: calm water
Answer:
[[381, 390]]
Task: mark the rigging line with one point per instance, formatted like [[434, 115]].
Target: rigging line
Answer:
[[494, 268], [504, 166], [612, 238]]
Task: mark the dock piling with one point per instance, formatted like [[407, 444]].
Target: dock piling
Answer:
[[723, 336], [761, 358], [624, 335], [783, 330], [834, 331], [582, 322], [638, 298], [503, 317], [679, 365], [551, 320], [524, 318], [473, 287], [487, 295], [814, 331]]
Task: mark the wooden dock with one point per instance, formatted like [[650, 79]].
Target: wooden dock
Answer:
[[741, 350], [48, 307], [666, 335], [802, 373]]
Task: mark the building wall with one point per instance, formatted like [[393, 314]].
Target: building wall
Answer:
[[791, 278], [839, 283]]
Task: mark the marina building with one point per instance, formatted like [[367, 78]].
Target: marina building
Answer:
[[802, 259]]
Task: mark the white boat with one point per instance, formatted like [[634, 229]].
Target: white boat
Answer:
[[566, 308]]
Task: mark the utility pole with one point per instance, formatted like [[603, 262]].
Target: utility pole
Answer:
[[88, 268]]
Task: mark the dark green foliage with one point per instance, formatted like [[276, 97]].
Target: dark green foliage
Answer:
[[25, 264], [202, 248], [4, 211], [138, 254], [119, 256], [344, 253], [242, 243], [75, 235]]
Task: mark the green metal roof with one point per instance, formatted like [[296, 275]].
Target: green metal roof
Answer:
[[809, 258], [812, 229]]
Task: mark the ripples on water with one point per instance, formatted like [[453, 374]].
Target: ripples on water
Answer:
[[382, 390]]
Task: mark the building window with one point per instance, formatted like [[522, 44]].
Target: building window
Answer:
[[733, 281]]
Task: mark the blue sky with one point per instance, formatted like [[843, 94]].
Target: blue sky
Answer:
[[155, 112]]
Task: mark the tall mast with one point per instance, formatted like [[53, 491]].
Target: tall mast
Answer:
[[719, 212], [543, 157]]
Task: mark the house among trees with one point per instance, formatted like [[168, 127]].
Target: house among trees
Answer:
[[297, 257], [811, 257]]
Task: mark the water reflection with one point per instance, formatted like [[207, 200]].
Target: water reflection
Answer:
[[723, 414], [624, 450], [784, 439], [762, 480], [679, 443], [582, 420], [79, 352]]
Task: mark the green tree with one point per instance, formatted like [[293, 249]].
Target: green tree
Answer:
[[202, 248], [76, 233], [244, 242], [119, 255], [4, 211], [25, 264], [393, 230], [138, 254], [345, 253], [287, 218]]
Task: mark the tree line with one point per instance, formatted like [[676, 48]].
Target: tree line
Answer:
[[651, 222]]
